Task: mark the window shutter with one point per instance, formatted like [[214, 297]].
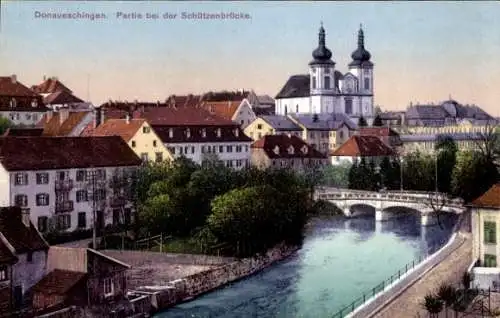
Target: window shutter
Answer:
[[46, 199]]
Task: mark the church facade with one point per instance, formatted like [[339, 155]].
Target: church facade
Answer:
[[327, 90]]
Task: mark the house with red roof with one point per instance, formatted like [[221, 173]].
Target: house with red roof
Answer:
[[286, 152], [369, 147], [238, 110], [61, 181], [56, 95], [18, 103], [485, 226]]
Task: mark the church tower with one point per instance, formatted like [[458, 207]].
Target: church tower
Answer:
[[362, 68], [322, 78]]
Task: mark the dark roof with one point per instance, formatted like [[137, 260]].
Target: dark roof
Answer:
[[23, 238], [58, 282], [281, 123], [490, 199], [263, 111], [321, 55], [23, 132], [60, 98], [447, 111], [9, 86], [225, 96], [50, 85], [229, 133], [324, 121], [433, 137], [45, 153], [6, 255], [279, 146], [361, 57], [391, 115], [363, 146], [296, 86], [265, 100]]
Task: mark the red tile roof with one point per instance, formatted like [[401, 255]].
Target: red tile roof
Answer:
[[363, 146], [45, 153], [60, 98], [58, 282], [228, 133], [280, 146], [9, 86], [50, 85], [23, 132], [490, 199], [224, 109], [52, 125], [23, 238], [119, 127], [6, 255]]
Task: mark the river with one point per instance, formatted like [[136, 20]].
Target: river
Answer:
[[340, 259]]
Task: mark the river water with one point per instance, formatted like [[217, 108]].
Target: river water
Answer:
[[340, 259]]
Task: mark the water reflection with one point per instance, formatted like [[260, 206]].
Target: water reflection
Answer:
[[340, 259]]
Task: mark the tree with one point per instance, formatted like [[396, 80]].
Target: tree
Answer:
[[488, 143], [354, 176], [418, 172], [362, 122], [377, 109], [446, 149], [5, 124], [336, 175], [433, 305], [386, 173], [377, 121], [448, 295]]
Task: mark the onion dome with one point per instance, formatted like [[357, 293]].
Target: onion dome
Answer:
[[361, 57], [321, 55]]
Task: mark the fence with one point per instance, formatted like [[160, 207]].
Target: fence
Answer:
[[378, 288], [149, 242]]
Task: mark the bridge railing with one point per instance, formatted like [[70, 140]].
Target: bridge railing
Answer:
[[377, 289]]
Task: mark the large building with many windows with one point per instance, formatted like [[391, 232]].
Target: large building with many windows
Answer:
[[60, 181], [327, 90]]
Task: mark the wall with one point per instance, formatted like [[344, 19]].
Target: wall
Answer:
[[244, 115], [100, 268], [479, 248], [4, 187], [27, 118], [144, 144], [183, 289], [291, 104], [28, 274]]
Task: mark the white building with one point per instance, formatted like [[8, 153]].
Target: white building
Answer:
[[50, 178], [327, 90], [486, 238]]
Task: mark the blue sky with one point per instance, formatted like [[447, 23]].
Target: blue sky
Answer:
[[423, 51]]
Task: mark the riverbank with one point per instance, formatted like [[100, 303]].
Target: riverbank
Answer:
[[171, 293]]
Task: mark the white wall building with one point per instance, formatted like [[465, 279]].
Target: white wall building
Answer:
[[327, 90], [50, 179]]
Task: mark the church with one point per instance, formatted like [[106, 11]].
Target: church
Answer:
[[327, 90]]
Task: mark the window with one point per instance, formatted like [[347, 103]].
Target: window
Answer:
[[314, 82], [42, 178], [21, 179], [259, 126], [170, 133], [221, 149], [21, 200], [81, 175], [29, 257], [154, 143], [63, 221], [81, 196], [116, 217], [158, 156], [246, 148], [128, 216], [108, 287], [42, 223], [238, 148], [218, 132], [203, 132], [192, 149], [348, 106], [146, 130], [144, 156], [82, 220], [367, 83], [229, 149], [172, 150], [42, 199], [188, 133], [490, 232], [99, 194], [61, 175], [327, 82], [3, 274], [490, 260], [133, 143], [242, 122], [297, 108], [101, 174], [327, 70]]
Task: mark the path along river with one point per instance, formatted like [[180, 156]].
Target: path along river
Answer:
[[340, 259]]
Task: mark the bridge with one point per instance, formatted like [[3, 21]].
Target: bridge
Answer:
[[390, 204]]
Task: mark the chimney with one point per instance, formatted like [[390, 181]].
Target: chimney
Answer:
[[13, 78], [127, 118], [63, 115]]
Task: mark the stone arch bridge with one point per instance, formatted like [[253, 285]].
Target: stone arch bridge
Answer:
[[390, 204]]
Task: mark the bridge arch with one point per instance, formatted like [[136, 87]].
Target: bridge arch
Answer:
[[360, 209]]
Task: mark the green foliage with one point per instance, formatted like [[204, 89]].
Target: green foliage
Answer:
[[364, 176], [5, 124], [448, 294], [466, 280], [473, 175], [377, 121], [419, 172], [433, 304], [336, 175], [362, 122], [446, 160]]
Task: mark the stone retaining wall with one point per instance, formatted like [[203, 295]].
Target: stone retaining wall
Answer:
[[191, 286]]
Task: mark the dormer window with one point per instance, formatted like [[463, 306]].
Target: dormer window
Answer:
[[236, 132], [304, 150], [170, 133], [13, 103], [34, 103], [188, 133], [218, 132], [276, 150], [203, 132], [290, 150]]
